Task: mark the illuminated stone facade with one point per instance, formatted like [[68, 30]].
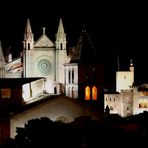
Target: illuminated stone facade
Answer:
[[127, 99], [42, 58], [74, 68]]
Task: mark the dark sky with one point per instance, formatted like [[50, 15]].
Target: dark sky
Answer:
[[113, 28]]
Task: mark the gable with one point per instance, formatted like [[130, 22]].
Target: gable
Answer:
[[44, 41]]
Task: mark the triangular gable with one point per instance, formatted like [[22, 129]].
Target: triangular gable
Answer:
[[44, 41]]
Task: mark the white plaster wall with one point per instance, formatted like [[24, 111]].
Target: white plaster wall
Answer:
[[37, 87], [113, 100], [124, 80]]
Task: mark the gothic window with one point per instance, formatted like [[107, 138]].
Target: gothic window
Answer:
[[87, 93], [61, 47], [110, 99], [72, 75], [94, 93], [69, 76], [114, 99], [28, 46]]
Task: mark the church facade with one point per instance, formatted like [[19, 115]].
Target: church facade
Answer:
[[58, 63]]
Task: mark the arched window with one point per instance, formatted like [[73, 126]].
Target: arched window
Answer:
[[55, 90], [87, 93], [94, 93], [69, 76], [28, 46], [72, 75], [61, 46]]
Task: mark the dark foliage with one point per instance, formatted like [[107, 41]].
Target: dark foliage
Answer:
[[83, 132]]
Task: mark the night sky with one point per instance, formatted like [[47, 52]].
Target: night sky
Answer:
[[114, 28]]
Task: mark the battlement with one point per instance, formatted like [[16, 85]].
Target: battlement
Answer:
[[126, 90]]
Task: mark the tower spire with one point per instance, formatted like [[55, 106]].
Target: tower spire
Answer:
[[28, 30], [131, 65], [60, 28], [28, 37], [118, 63], [61, 37]]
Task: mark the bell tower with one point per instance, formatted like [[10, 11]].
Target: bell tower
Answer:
[[28, 42], [61, 52]]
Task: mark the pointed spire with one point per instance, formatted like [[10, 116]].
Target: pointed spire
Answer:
[[28, 29], [28, 37], [60, 28], [2, 59], [85, 47], [61, 37], [44, 30]]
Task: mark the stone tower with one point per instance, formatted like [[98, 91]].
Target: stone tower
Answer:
[[61, 52], [2, 63]]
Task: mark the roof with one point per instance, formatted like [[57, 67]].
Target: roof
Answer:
[[143, 86], [84, 52], [13, 82], [59, 104], [44, 41]]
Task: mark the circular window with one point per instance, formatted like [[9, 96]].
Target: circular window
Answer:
[[44, 66]]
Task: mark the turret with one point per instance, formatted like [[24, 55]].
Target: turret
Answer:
[[28, 37], [61, 37], [131, 68]]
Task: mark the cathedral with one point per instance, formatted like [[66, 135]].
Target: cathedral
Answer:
[[74, 70]]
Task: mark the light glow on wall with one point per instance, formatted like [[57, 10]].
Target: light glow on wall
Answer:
[[94, 93], [87, 93], [143, 103]]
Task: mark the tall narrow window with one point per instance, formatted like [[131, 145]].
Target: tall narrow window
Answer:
[[94, 93], [55, 90], [69, 76], [87, 93], [61, 47], [72, 75], [28, 46]]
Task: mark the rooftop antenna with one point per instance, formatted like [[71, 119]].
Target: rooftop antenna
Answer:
[[118, 63]]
